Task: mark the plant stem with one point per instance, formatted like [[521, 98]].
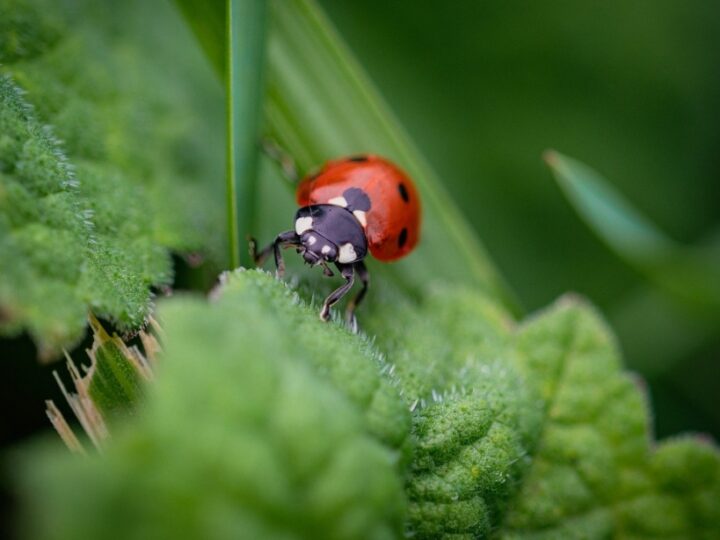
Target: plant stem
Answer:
[[245, 33]]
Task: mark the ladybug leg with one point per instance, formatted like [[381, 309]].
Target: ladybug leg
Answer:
[[287, 238], [326, 269], [348, 272], [282, 158], [364, 275]]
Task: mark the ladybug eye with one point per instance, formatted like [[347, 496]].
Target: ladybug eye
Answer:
[[403, 192], [402, 239]]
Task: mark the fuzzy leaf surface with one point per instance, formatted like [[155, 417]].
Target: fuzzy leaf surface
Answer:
[[87, 162], [262, 424], [496, 430]]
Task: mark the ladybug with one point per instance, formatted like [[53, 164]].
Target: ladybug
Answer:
[[351, 206]]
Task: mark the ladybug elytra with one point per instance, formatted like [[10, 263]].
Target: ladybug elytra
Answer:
[[352, 206]]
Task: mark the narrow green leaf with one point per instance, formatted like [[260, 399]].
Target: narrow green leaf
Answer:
[[690, 275], [114, 382], [608, 214], [320, 104], [246, 22], [108, 389]]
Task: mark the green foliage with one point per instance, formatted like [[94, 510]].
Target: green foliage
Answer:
[[245, 35], [114, 380], [88, 224], [25, 31], [263, 423], [680, 299], [691, 275], [484, 88], [266, 422], [594, 473], [475, 418], [54, 262], [108, 389], [320, 104]]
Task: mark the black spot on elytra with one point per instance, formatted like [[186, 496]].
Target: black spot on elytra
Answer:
[[357, 159], [403, 192], [356, 199], [402, 239]]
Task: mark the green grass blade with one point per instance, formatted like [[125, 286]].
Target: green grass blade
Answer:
[[607, 213], [320, 104], [688, 274], [246, 22]]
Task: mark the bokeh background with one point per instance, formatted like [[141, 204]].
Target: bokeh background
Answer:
[[631, 87]]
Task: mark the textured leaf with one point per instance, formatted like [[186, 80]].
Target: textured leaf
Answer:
[[53, 261], [594, 473], [266, 421], [263, 423], [531, 431], [87, 224], [475, 418]]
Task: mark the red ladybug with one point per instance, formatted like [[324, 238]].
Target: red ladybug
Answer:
[[351, 206]]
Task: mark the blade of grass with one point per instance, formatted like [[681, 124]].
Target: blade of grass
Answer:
[[688, 274], [609, 215], [246, 23], [320, 104]]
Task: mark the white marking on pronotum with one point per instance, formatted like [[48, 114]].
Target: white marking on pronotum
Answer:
[[325, 249], [360, 215], [339, 201], [311, 240], [303, 224], [347, 253]]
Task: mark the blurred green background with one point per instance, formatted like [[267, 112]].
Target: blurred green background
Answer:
[[630, 87]]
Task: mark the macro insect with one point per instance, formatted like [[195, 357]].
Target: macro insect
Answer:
[[352, 206]]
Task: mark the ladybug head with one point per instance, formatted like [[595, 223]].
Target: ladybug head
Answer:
[[329, 233], [316, 248]]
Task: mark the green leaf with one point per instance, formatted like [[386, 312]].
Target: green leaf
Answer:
[[114, 381], [689, 275], [88, 224], [475, 417], [246, 24], [267, 422], [263, 422], [320, 105], [594, 473], [531, 430], [54, 262], [107, 390]]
